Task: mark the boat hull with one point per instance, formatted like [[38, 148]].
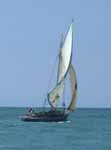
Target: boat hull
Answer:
[[45, 117]]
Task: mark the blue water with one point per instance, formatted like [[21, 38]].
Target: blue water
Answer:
[[87, 129]]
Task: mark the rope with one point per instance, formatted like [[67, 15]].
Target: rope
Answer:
[[49, 82], [50, 78], [63, 102]]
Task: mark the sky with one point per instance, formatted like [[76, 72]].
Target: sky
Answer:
[[30, 33]]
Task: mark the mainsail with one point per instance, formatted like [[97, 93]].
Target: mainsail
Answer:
[[63, 67], [65, 55], [73, 80]]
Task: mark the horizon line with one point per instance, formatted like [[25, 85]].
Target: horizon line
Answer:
[[58, 107]]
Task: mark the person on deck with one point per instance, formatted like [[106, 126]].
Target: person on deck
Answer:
[[30, 110]]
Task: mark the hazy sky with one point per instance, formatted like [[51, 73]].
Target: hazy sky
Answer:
[[30, 33]]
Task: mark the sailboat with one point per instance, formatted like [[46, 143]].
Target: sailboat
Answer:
[[65, 70]]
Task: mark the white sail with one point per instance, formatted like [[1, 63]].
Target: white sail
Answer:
[[64, 62], [73, 80], [65, 55], [55, 94]]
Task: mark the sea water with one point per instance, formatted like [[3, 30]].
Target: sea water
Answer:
[[86, 129]]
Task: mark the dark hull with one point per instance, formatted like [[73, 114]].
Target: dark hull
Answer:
[[51, 116]]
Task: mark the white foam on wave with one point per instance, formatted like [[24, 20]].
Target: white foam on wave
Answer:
[[64, 121], [68, 121], [61, 122]]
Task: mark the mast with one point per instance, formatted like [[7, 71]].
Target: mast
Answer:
[[60, 58]]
